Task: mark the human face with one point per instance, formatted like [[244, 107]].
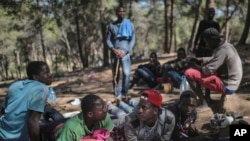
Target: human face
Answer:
[[100, 110], [121, 13], [187, 106], [44, 76], [146, 112], [211, 42], [153, 57], [210, 14], [181, 55]]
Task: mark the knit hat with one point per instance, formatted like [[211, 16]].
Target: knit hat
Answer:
[[212, 33], [152, 96]]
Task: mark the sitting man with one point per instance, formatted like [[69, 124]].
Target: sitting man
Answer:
[[185, 114], [221, 73], [148, 72], [92, 118], [174, 69], [24, 104], [152, 122]]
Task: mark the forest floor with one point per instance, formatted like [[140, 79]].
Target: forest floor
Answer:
[[79, 83]]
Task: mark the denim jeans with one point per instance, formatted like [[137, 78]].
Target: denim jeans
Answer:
[[125, 64], [128, 108], [175, 77], [147, 76], [118, 114]]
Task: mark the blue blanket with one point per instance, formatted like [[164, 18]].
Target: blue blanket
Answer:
[[125, 30]]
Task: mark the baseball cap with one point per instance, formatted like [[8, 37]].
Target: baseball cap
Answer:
[[152, 96], [212, 33]]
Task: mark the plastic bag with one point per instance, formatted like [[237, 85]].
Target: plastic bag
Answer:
[[184, 84], [52, 95]]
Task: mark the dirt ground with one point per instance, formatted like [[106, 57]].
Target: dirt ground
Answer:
[[77, 84]]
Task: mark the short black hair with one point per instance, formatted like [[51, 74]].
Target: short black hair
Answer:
[[153, 53], [34, 68], [181, 50], [120, 7], [88, 102], [211, 9], [188, 94]]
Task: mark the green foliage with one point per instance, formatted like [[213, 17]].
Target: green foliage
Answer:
[[22, 22]]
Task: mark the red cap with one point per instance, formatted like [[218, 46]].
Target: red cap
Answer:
[[152, 96]]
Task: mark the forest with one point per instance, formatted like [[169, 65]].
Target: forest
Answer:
[[70, 34]]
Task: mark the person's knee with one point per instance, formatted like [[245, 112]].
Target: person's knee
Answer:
[[192, 74], [126, 73]]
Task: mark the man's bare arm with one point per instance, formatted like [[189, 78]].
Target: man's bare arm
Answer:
[[33, 125]]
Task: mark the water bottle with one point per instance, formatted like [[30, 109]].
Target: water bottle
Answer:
[[184, 84], [52, 95]]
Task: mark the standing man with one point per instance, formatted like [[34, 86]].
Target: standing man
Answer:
[[24, 104], [200, 48], [221, 73], [120, 41]]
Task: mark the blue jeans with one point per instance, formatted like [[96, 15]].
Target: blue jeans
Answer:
[[125, 64], [147, 76], [175, 77], [119, 113], [128, 107]]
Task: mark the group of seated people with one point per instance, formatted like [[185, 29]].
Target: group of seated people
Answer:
[[148, 120], [222, 72], [130, 120], [154, 74]]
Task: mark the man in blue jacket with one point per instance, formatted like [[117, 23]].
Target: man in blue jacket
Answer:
[[121, 40]]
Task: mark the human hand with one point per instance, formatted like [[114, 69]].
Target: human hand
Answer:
[[115, 51], [193, 62], [120, 54]]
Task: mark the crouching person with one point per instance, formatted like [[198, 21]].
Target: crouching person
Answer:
[[92, 123], [153, 123]]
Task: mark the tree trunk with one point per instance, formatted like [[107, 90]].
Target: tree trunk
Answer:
[[245, 32], [121, 3], [103, 31], [209, 3], [227, 26], [130, 9], [78, 35], [166, 6], [171, 26], [197, 12], [40, 26]]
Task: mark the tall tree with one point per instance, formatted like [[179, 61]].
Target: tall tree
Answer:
[[171, 27], [196, 18], [246, 29], [40, 28], [166, 23], [84, 62], [103, 31]]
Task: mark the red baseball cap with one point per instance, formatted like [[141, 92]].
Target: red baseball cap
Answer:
[[152, 96]]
